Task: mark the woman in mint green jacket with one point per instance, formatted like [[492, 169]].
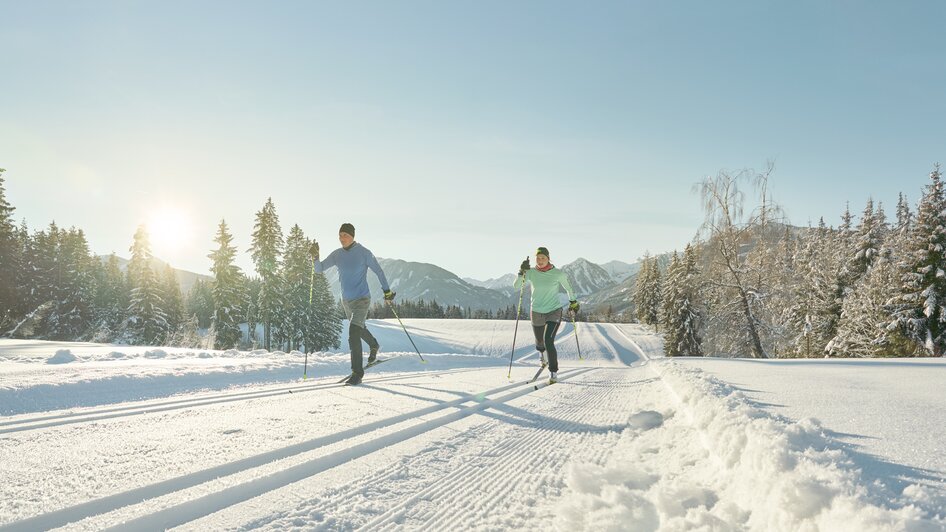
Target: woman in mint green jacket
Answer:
[[546, 307]]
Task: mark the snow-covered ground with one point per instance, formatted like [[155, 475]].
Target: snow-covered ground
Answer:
[[95, 436]]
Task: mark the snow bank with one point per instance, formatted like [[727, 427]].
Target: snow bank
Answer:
[[753, 471], [62, 356]]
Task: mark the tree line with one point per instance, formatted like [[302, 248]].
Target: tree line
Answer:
[[752, 285], [52, 287]]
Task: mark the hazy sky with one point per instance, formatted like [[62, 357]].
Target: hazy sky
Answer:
[[459, 133]]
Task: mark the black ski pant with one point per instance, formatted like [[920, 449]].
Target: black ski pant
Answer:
[[355, 335], [545, 340]]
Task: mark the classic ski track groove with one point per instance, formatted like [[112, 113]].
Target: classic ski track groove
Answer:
[[126, 411], [514, 455], [185, 512], [529, 462], [226, 497]]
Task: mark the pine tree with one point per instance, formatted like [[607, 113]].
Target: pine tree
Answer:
[[173, 300], [868, 240], [680, 315], [24, 277], [72, 314], [110, 301], [647, 291], [226, 291], [147, 321], [266, 248], [200, 303], [251, 293], [9, 261], [326, 331], [295, 313], [309, 317], [904, 216], [919, 308], [862, 331]]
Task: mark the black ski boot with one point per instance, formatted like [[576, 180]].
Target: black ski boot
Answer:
[[354, 380], [373, 356]]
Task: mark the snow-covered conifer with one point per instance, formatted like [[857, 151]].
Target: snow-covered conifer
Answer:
[[266, 249], [920, 308], [226, 290], [146, 321]]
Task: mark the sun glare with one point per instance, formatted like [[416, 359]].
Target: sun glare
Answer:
[[170, 230]]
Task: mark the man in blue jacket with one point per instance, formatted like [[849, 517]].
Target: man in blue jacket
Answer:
[[353, 261]]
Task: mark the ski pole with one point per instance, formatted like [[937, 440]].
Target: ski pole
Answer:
[[407, 333], [516, 330], [577, 343]]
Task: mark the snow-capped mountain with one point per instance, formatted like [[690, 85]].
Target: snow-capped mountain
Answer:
[[620, 271], [501, 284], [620, 296], [587, 277], [422, 281]]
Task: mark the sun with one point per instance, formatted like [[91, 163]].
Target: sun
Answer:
[[171, 230]]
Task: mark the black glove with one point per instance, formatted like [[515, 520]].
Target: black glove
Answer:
[[524, 266], [314, 250], [389, 295], [573, 306]]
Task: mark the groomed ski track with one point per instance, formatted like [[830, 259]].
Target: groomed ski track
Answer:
[[506, 428], [461, 448]]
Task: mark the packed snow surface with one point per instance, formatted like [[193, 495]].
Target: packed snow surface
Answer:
[[146, 438]]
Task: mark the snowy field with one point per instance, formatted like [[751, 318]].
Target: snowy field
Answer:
[[99, 437]]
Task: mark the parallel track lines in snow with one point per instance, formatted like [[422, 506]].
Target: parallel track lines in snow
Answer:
[[133, 410], [200, 507], [531, 461]]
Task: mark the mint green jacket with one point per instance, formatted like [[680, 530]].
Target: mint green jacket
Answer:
[[545, 288]]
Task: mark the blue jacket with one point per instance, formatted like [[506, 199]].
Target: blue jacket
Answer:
[[353, 264]]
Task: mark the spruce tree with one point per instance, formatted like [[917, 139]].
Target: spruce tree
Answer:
[[199, 303], [72, 315], [815, 304], [295, 313], [680, 315], [146, 323], [326, 331], [919, 311], [266, 249], [647, 291], [868, 240], [9, 261], [226, 291], [251, 308], [863, 331], [173, 302], [110, 301]]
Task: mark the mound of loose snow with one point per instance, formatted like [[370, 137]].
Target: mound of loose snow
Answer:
[[62, 356], [156, 353], [752, 471]]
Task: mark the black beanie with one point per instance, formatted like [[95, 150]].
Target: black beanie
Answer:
[[542, 251], [347, 228]]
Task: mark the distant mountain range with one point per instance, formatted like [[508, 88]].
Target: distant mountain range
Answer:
[[596, 285]]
